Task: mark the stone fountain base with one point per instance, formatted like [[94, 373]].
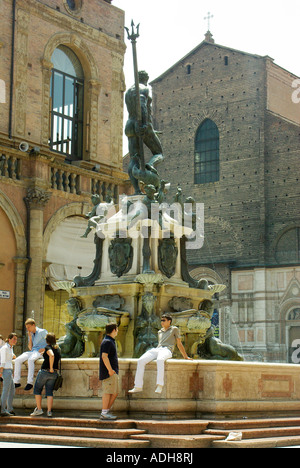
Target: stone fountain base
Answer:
[[140, 272], [193, 389], [93, 320]]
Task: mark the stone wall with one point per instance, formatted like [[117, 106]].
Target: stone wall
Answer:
[[233, 97], [193, 389], [53, 188], [257, 194]]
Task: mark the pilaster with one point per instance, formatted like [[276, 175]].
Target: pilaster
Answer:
[[36, 200]]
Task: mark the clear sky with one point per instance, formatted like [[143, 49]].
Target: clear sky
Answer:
[[169, 29]]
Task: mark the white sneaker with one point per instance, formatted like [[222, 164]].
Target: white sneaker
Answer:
[[108, 417], [135, 390], [37, 412], [159, 389]]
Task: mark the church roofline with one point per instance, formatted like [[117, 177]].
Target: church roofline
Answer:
[[198, 47]]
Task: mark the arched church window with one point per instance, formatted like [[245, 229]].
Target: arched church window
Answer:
[[207, 153], [72, 4], [73, 7], [67, 91], [288, 247]]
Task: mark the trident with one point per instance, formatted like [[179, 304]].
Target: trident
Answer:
[[133, 37]]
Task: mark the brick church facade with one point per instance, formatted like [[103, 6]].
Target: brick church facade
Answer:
[[231, 136]]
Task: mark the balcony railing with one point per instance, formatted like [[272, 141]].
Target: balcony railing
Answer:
[[10, 167], [59, 176], [66, 181]]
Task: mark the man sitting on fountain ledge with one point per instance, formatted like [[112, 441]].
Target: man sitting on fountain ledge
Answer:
[[168, 337]]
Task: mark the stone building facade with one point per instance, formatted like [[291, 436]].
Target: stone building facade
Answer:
[[61, 126], [230, 129]]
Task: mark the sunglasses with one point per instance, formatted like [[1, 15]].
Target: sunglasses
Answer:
[[164, 320]]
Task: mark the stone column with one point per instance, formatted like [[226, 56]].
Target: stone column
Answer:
[[37, 199], [20, 263]]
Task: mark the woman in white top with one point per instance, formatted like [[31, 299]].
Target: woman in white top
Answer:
[[2, 343], [6, 372]]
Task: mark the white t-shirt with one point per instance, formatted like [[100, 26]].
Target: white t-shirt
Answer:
[[6, 356], [167, 338], [2, 343]]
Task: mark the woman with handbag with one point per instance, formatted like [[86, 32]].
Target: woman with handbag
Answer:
[[6, 374], [47, 376]]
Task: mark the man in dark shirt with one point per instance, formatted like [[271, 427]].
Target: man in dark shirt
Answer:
[[109, 370]]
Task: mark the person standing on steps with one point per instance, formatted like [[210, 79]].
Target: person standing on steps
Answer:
[[36, 342], [109, 370], [6, 373], [2, 343], [168, 338], [47, 376]]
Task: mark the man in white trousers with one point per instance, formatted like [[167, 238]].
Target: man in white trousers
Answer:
[[168, 337], [36, 342]]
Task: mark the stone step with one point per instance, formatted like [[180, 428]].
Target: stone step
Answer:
[[269, 442], [74, 441], [240, 424], [76, 432], [81, 432], [178, 441], [258, 433], [88, 432], [71, 431], [73, 422], [185, 427]]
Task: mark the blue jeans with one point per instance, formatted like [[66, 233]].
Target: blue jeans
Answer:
[[8, 391], [47, 380]]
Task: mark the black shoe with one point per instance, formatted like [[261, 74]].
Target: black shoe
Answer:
[[28, 387], [17, 385]]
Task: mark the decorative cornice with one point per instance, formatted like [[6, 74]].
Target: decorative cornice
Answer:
[[20, 260]]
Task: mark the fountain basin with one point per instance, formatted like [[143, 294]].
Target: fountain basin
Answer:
[[193, 389]]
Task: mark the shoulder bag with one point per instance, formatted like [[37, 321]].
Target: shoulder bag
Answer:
[[59, 380]]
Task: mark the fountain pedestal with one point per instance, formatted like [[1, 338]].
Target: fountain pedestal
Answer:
[[193, 389], [140, 272]]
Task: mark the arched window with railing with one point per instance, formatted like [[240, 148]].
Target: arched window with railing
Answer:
[[67, 98], [207, 153]]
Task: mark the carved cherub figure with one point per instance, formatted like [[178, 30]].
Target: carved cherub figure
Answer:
[[98, 213]]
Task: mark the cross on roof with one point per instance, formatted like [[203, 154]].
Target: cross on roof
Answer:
[[208, 18]]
